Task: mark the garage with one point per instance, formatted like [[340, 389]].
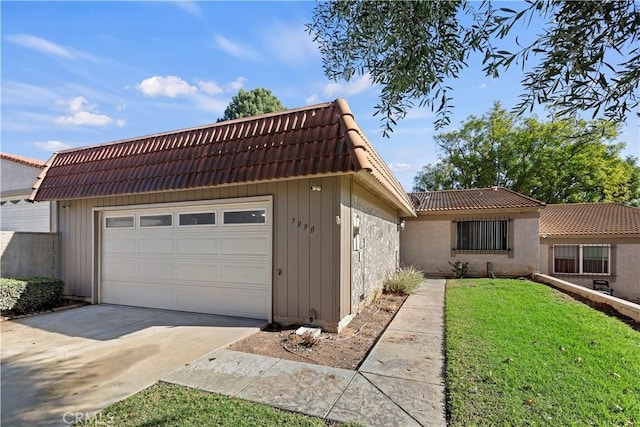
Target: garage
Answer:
[[209, 257]]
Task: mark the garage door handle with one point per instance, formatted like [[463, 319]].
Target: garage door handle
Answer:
[[279, 272]]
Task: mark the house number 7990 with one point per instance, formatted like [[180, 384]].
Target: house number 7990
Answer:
[[312, 229]]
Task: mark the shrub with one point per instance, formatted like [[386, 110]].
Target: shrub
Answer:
[[23, 295], [459, 268], [404, 281]]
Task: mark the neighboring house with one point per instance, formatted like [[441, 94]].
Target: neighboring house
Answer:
[[17, 175], [289, 217], [583, 242], [477, 226]]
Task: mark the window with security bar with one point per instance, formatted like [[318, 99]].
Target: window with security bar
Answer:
[[482, 235], [581, 259]]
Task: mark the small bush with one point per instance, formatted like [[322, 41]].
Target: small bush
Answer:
[[23, 295], [459, 268], [405, 281]]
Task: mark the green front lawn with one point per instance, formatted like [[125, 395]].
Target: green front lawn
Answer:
[[170, 405], [521, 353]]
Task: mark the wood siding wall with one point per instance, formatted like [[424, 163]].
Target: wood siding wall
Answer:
[[306, 271]]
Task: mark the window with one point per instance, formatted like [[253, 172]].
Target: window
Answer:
[[581, 259], [482, 235], [192, 219], [119, 222], [246, 217], [165, 220]]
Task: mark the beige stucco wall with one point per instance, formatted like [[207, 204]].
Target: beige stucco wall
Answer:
[[427, 243], [625, 264]]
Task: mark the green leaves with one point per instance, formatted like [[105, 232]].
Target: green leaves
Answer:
[[586, 56], [562, 160], [252, 103]]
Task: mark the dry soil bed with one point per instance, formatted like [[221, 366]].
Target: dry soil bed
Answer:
[[344, 350]]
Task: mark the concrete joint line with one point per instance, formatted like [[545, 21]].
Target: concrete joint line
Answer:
[[389, 397], [395, 378], [256, 378], [326, 414]]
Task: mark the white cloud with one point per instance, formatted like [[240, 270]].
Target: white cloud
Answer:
[[419, 113], [291, 44], [399, 167], [211, 105], [170, 86], [236, 85], [237, 50], [81, 114], [211, 88], [191, 7], [121, 123], [50, 48], [52, 146], [352, 87], [482, 86], [311, 99], [41, 45]]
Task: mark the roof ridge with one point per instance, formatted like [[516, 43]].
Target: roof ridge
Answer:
[[200, 127], [30, 161]]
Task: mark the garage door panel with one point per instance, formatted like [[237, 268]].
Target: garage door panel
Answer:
[[197, 246], [155, 270], [119, 246], [158, 246], [245, 275], [197, 272], [114, 292], [212, 268], [124, 269], [248, 245], [156, 296]]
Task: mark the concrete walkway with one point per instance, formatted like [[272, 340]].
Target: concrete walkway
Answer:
[[400, 383]]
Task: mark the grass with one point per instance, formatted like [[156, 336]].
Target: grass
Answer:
[[521, 353], [166, 404]]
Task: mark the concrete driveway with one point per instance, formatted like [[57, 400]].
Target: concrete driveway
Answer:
[[78, 361]]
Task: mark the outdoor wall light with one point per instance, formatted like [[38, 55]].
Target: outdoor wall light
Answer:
[[316, 188], [401, 225], [338, 221]]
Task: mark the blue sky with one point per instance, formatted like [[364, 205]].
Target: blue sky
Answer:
[[82, 73]]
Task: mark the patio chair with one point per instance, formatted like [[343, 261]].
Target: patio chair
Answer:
[[602, 286]]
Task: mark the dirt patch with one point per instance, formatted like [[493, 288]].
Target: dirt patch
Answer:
[[344, 350]]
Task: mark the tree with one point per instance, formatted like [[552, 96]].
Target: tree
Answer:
[[558, 161], [252, 103], [588, 52]]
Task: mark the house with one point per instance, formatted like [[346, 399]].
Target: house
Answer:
[[17, 175], [494, 230], [583, 242], [288, 217]]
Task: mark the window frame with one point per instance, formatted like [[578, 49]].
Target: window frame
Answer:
[[505, 240], [170, 214], [215, 219], [107, 218], [580, 258], [224, 223]]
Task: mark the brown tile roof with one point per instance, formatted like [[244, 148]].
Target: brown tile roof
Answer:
[[311, 141], [477, 198], [24, 160], [582, 219]]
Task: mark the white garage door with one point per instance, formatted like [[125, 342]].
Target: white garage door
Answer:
[[204, 258]]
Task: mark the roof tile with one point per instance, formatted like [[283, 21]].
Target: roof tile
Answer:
[[315, 140], [477, 198], [589, 219]]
